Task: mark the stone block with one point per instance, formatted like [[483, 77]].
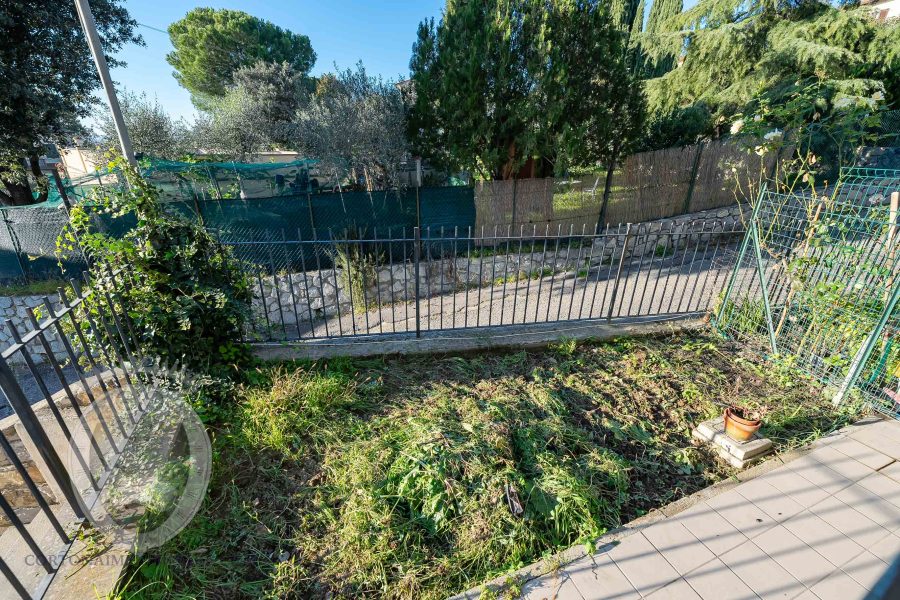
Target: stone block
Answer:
[[739, 454]]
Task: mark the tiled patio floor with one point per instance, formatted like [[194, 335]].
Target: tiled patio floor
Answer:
[[823, 526]]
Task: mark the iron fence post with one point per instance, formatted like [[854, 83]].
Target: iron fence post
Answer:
[[38, 436], [615, 290], [740, 258], [417, 258], [764, 290]]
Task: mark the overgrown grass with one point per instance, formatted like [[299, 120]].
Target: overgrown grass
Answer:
[[44, 287], [389, 478]]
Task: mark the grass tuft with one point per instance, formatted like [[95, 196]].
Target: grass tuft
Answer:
[[390, 478]]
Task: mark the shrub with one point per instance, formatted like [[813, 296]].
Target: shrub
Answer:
[[188, 298]]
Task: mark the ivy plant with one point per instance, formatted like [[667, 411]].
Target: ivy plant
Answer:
[[187, 297]]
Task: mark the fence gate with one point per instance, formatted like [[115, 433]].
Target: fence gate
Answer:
[[816, 283]]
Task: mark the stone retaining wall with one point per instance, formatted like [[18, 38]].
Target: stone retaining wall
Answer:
[[292, 297], [15, 309]]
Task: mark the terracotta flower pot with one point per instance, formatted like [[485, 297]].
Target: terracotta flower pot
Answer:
[[739, 428]]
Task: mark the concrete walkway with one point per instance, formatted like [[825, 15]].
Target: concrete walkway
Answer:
[[824, 526]]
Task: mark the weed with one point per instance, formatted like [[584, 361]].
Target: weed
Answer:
[[389, 477]]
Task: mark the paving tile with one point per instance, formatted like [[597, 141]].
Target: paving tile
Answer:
[[884, 486], [802, 562], [715, 581], [743, 515], [880, 439], [841, 463], [827, 541], [677, 590], [867, 455], [839, 586], [597, 577], [644, 567], [711, 528], [850, 522], [803, 491], [807, 595], [761, 573], [866, 569], [870, 504], [678, 545], [771, 500], [892, 471], [555, 586], [818, 474], [887, 549], [885, 429]]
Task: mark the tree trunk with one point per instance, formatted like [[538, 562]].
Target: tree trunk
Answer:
[[19, 193], [601, 221]]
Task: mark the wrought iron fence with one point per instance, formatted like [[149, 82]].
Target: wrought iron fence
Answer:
[[73, 381], [410, 282]]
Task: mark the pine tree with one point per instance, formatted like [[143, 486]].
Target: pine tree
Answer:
[[660, 24], [736, 51]]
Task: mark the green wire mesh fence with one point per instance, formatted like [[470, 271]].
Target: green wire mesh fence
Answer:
[[816, 284]]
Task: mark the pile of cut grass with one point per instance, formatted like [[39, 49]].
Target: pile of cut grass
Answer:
[[389, 478]]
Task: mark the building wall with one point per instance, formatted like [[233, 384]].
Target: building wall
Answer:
[[891, 6]]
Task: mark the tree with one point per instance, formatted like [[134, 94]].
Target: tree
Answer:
[[659, 22], [278, 90], [355, 123], [255, 113], [153, 131], [211, 45], [735, 52], [499, 82], [46, 83]]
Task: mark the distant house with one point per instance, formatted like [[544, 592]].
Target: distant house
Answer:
[[883, 9]]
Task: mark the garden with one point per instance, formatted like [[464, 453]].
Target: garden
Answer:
[[418, 477]]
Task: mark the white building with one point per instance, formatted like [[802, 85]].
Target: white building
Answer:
[[883, 9]]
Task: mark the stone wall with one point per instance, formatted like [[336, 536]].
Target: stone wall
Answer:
[[15, 309], [292, 297]]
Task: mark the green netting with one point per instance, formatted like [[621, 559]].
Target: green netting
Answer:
[[222, 196]]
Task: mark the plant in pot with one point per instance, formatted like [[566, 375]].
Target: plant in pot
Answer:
[[741, 423], [742, 419]]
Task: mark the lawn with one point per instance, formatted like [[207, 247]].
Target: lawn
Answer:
[[389, 477]]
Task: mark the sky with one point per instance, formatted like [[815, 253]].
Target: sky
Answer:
[[378, 32]]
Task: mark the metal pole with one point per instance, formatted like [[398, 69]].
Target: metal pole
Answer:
[[764, 288], [615, 289], [93, 40], [417, 257], [737, 265], [862, 355]]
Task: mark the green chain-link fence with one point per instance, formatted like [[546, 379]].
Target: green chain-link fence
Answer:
[[816, 284]]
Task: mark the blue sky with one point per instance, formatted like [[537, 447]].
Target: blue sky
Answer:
[[379, 32]]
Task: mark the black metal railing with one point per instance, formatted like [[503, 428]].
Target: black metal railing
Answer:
[[411, 282], [73, 380]]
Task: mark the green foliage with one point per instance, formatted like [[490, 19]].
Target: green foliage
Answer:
[[679, 127], [497, 83], [186, 295], [153, 132], [46, 83], [387, 478], [211, 45], [736, 51]]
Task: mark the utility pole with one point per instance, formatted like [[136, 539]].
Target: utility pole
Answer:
[[93, 40]]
